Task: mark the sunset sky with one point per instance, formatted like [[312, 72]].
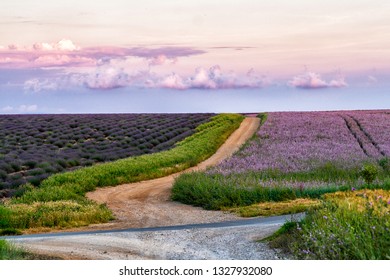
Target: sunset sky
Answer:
[[193, 56]]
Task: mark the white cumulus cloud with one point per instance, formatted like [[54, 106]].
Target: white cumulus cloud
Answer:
[[312, 80]]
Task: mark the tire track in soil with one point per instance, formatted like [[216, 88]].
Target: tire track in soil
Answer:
[[369, 147]]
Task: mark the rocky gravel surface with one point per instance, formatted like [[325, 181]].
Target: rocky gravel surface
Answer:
[[236, 242]]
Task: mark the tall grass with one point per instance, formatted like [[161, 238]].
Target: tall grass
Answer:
[[52, 214], [10, 252], [349, 225], [60, 199], [218, 191]]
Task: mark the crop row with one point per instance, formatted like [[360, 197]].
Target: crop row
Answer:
[[32, 147]]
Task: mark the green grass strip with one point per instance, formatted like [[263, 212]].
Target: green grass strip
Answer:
[[219, 191]]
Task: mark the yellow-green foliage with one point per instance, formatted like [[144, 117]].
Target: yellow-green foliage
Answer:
[[55, 214], [375, 200], [276, 208], [60, 200]]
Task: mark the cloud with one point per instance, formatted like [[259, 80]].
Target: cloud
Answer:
[[161, 59], [7, 109], [27, 108], [38, 85], [21, 109], [311, 80], [107, 78], [63, 60], [63, 45], [338, 83], [169, 52], [372, 79], [173, 81], [65, 53], [214, 78]]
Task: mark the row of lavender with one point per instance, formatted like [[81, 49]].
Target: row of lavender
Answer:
[[32, 147], [304, 141]]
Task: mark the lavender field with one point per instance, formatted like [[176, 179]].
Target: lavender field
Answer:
[[291, 142], [33, 147], [301, 153]]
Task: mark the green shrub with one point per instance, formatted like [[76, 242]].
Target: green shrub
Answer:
[[369, 172], [384, 163]]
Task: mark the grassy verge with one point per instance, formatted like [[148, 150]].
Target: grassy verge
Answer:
[[10, 252], [60, 199], [218, 191], [348, 225]]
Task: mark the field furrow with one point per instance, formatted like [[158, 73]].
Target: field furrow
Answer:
[[375, 124], [369, 147]]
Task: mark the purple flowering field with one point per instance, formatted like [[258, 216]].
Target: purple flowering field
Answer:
[[303, 141], [377, 125]]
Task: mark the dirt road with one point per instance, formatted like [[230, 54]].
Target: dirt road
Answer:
[[148, 204]]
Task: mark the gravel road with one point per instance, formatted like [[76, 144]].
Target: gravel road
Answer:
[[217, 241]]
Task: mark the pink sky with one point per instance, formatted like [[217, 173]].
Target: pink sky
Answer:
[[201, 44]]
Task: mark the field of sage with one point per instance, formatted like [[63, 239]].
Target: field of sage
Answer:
[[296, 156]]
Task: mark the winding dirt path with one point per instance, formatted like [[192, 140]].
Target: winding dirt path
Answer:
[[148, 204]]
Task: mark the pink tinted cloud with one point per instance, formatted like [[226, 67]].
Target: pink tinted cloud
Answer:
[[312, 80], [215, 78], [107, 77], [173, 81], [66, 53]]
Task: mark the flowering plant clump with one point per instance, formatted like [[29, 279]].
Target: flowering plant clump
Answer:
[[349, 225]]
